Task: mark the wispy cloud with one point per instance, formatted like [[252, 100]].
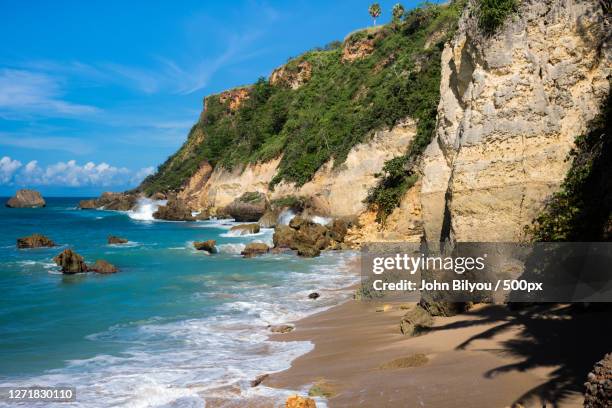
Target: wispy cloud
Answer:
[[46, 143], [27, 93], [68, 174]]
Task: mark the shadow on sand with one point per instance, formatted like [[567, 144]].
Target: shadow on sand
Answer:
[[569, 337]]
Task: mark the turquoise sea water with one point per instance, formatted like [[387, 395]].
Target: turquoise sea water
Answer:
[[173, 327]]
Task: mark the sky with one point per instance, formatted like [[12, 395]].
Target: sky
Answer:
[[94, 95]]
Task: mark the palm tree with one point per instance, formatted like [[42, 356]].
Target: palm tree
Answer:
[[398, 12], [374, 11]]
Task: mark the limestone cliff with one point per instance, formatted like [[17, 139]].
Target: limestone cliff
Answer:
[[511, 106], [338, 191]]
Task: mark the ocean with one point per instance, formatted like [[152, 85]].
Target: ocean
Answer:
[[172, 328]]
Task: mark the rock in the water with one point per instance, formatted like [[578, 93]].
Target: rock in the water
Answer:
[[416, 321], [110, 201], [26, 199], [308, 237], [102, 266], [244, 229], [249, 207], [259, 379], [598, 393], [281, 328], [308, 251], [88, 204], [268, 219], [70, 262], [174, 210], [314, 295], [295, 401], [34, 241], [208, 246], [284, 236], [113, 240], [253, 249]]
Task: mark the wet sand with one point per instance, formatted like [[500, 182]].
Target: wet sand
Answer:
[[472, 360]]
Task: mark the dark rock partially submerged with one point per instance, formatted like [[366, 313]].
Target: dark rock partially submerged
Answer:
[[114, 240], [26, 199], [249, 207], [259, 379], [174, 210], [308, 237], [281, 328], [34, 241], [254, 248], [102, 266], [314, 295], [111, 201], [70, 262], [208, 246], [244, 229]]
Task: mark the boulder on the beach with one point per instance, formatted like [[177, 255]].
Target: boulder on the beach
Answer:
[[208, 246], [114, 240], [281, 328], [70, 262], [102, 266], [34, 241], [244, 229], [295, 401], [254, 248], [249, 207], [416, 321], [314, 295], [26, 199], [259, 379], [174, 210], [598, 393]]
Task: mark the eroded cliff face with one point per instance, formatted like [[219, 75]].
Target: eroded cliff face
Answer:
[[338, 192], [511, 106]]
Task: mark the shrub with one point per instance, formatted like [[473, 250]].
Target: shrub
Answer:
[[492, 13], [341, 105]]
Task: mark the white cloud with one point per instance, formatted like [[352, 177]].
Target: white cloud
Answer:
[[69, 174], [26, 93], [7, 168]]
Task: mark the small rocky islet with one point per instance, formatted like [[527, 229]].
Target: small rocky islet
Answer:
[[26, 199]]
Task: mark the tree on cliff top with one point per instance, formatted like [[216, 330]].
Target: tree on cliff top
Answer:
[[374, 11], [398, 12]]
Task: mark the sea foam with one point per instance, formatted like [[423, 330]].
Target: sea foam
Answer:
[[144, 209]]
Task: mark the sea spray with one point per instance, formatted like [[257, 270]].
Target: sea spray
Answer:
[[286, 216], [144, 209]]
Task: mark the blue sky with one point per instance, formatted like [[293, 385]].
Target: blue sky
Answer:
[[95, 94]]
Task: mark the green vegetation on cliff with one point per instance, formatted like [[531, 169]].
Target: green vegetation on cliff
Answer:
[[493, 13], [582, 209], [375, 79]]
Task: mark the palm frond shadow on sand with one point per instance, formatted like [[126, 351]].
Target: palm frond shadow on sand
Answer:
[[570, 338]]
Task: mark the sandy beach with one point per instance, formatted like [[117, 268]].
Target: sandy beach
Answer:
[[489, 357]]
